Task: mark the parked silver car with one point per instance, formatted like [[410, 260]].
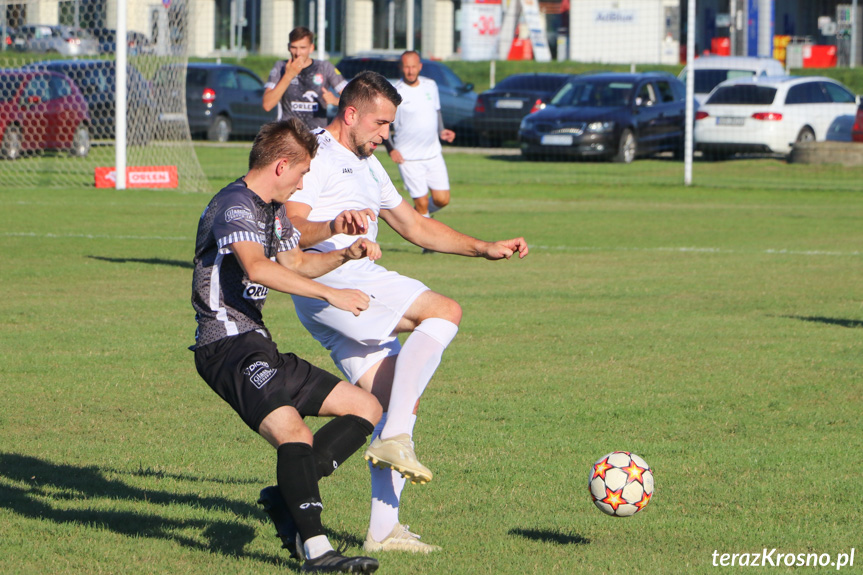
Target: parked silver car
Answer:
[[65, 40]]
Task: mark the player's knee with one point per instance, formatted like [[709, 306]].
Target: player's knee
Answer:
[[441, 199], [453, 312], [369, 409]]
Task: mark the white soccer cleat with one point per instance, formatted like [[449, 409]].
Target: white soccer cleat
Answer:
[[399, 539], [397, 453]]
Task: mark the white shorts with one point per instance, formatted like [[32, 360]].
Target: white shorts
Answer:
[[356, 343], [420, 176]]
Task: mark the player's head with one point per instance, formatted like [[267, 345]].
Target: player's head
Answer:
[[289, 140], [282, 152], [411, 65], [367, 107], [301, 42]]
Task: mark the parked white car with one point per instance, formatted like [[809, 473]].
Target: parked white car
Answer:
[[770, 114], [710, 71]]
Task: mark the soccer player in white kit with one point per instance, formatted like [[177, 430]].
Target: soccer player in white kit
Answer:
[[346, 182], [417, 132]]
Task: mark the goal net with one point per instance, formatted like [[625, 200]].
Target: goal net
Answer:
[[57, 91]]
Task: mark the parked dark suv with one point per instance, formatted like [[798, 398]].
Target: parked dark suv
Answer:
[[609, 116], [498, 112], [97, 81], [222, 100], [457, 99]]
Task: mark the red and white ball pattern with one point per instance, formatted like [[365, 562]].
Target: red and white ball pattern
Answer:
[[621, 484]]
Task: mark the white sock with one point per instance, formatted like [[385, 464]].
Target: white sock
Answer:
[[387, 486], [415, 366], [316, 546]]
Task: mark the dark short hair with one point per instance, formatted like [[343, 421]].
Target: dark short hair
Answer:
[[365, 88], [299, 33], [289, 139]]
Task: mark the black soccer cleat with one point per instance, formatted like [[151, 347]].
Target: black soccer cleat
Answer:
[[273, 503], [335, 562]]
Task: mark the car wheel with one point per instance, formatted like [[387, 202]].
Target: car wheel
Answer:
[[10, 148], [626, 148], [806, 135], [80, 142], [220, 131]]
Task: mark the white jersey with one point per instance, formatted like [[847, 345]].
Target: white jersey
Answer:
[[416, 126], [338, 180]]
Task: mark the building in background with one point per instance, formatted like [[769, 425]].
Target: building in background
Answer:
[[602, 31]]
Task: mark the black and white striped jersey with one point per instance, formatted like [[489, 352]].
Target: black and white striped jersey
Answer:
[[225, 301]]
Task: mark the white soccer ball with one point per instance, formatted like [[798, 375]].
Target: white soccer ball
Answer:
[[621, 484]]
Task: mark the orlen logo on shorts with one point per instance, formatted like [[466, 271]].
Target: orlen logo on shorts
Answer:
[[255, 291], [259, 373]]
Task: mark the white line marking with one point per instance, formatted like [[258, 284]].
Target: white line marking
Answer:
[[680, 249]]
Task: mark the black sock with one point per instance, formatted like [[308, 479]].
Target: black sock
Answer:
[[338, 440], [298, 482]]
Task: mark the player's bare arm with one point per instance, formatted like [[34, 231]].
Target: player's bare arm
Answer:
[[264, 271], [315, 264], [350, 222], [435, 235], [272, 95]]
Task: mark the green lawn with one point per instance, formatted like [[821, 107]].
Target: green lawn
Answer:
[[713, 330]]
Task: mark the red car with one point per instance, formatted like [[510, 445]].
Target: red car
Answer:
[[857, 130], [41, 111]]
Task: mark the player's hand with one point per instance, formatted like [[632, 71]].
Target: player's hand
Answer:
[[363, 247], [447, 136], [295, 65], [352, 300], [506, 248], [353, 222], [397, 157]]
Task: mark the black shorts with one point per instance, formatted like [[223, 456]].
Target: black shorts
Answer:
[[249, 373]]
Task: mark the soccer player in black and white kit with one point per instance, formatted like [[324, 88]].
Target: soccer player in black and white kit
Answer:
[[345, 175], [300, 86], [246, 246]]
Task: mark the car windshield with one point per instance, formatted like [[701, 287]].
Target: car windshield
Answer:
[[593, 94], [743, 94], [387, 68], [706, 80], [536, 83]]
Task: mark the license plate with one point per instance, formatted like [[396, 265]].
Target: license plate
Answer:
[[556, 140], [726, 121], [509, 104]]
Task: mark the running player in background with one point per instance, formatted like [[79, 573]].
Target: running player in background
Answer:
[[415, 142]]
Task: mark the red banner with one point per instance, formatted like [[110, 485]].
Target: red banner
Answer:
[[139, 177]]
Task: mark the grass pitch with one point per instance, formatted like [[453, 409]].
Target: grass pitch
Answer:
[[713, 330]]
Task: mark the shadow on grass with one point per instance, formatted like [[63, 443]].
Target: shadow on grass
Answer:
[[828, 320], [153, 261], [549, 536], [32, 488]]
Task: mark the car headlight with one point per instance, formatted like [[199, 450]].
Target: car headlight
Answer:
[[600, 127]]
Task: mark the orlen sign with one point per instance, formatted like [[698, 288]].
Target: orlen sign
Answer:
[[139, 177]]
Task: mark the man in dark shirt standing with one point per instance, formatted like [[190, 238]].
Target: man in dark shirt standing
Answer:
[[246, 246], [300, 86]]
